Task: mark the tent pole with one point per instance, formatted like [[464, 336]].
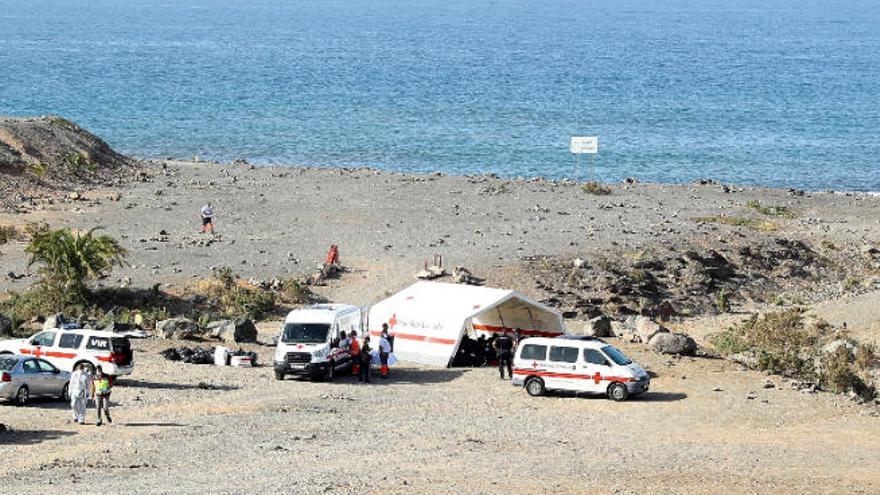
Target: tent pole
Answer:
[[497, 308]]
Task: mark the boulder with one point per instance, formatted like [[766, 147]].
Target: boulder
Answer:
[[599, 326], [240, 330], [178, 328], [5, 326], [55, 321], [673, 343], [646, 328]]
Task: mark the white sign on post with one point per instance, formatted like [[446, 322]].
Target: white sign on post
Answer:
[[584, 144]]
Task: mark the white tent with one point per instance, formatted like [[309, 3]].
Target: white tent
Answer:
[[428, 319]]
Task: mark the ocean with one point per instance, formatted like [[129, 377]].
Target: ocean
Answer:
[[782, 93]]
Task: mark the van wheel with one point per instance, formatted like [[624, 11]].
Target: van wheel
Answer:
[[89, 367], [618, 392], [22, 396], [535, 387], [65, 393], [279, 375]]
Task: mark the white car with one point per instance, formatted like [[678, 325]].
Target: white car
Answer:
[[67, 348], [578, 364]]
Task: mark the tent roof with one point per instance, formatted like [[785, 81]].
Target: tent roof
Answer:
[[456, 300]]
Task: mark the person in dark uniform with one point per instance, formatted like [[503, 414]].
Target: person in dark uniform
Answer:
[[365, 357], [504, 349]]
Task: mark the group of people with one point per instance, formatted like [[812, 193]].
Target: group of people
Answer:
[[483, 351], [362, 354], [85, 386]]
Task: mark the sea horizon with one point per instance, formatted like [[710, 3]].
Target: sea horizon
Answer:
[[775, 94]]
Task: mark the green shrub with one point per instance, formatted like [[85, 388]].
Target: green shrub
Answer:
[[773, 211], [295, 292], [722, 302], [749, 223], [595, 188], [780, 342]]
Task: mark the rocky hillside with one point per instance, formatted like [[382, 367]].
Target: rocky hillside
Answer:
[[46, 156]]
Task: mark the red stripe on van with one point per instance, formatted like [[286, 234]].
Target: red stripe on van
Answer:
[[553, 374]]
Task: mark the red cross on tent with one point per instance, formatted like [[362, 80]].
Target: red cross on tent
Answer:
[[392, 322]]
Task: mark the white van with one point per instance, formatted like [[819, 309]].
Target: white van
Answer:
[[308, 344], [579, 364], [66, 348]]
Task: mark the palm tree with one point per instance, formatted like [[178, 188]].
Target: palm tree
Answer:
[[68, 261]]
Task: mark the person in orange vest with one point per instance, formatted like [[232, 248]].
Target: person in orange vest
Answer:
[[355, 351], [384, 351]]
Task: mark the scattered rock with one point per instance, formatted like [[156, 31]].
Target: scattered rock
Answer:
[[240, 330], [673, 343], [55, 321], [646, 328], [599, 326], [178, 328]]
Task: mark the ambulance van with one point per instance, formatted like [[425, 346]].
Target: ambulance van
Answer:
[[308, 343], [577, 364]]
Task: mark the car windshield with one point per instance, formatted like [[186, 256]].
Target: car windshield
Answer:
[[616, 356], [7, 362], [305, 333]]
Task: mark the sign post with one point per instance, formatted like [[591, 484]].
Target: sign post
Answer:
[[585, 145]]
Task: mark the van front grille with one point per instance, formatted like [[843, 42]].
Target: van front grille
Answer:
[[298, 357]]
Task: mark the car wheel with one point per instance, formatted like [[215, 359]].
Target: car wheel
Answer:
[[618, 392], [535, 387], [279, 375], [65, 393], [22, 396]]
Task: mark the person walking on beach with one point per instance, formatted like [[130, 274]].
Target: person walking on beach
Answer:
[[365, 358], [79, 389], [504, 349], [101, 392], [384, 352], [207, 213]]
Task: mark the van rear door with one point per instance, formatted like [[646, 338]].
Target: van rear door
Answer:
[[120, 351]]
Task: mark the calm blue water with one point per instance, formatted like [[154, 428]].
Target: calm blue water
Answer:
[[772, 92]]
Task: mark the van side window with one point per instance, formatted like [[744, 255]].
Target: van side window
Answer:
[[564, 354], [534, 352], [593, 356], [70, 340], [98, 344], [44, 339]]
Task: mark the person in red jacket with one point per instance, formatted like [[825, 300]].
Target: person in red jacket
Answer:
[[355, 351]]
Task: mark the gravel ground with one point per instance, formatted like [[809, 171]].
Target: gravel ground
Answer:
[[186, 428]]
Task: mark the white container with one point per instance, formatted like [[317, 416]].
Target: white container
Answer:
[[240, 361], [221, 354]]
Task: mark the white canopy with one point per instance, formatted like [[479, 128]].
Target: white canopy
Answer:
[[428, 319]]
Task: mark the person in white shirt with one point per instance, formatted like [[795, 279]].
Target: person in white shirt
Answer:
[[384, 352], [207, 213], [79, 388]]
